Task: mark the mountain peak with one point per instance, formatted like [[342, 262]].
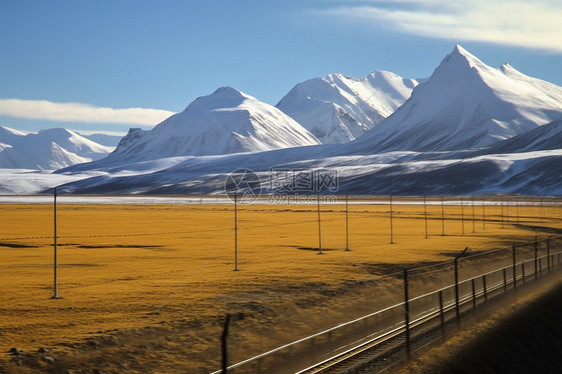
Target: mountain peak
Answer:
[[226, 121], [461, 64], [223, 97], [459, 49], [459, 55], [230, 92], [466, 104]]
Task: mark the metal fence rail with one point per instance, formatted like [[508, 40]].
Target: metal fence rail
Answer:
[[306, 354]]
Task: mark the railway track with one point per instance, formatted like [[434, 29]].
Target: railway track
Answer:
[[387, 349], [339, 352], [380, 347]]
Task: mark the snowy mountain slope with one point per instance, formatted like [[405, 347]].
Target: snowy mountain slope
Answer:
[[535, 169], [465, 104], [541, 138], [337, 108], [7, 133], [27, 182], [488, 171], [545, 137], [49, 149], [227, 121], [397, 173]]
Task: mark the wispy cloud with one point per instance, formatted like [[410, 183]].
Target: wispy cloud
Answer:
[[77, 112], [530, 24]]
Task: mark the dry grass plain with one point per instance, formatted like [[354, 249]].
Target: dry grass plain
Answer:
[[146, 288]]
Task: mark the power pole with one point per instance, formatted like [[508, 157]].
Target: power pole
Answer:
[[56, 290], [346, 223], [425, 213], [235, 232], [319, 227], [391, 229]]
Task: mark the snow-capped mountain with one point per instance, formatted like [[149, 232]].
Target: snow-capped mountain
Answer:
[[338, 109], [469, 129], [465, 104], [227, 121], [49, 149]]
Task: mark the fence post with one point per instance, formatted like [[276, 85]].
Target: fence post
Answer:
[[536, 257], [407, 313], [441, 312], [473, 294], [484, 288], [523, 271], [224, 343], [548, 253], [504, 280], [514, 270], [457, 310]]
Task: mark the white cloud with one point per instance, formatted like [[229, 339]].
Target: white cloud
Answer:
[[529, 24], [77, 112]]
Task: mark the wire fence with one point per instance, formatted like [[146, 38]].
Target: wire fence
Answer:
[[473, 290]]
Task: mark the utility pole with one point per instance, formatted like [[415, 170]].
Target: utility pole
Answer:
[[56, 291], [425, 213], [462, 215], [442, 216], [346, 223], [319, 227], [473, 217], [235, 232], [391, 231]]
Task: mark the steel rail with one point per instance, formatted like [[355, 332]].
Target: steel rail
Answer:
[[426, 316]]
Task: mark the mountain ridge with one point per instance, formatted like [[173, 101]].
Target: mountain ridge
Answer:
[[227, 121], [339, 108], [465, 104], [47, 150]]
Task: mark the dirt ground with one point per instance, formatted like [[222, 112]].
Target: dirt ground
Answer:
[[146, 288]]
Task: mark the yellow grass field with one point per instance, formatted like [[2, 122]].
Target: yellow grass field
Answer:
[[146, 288]]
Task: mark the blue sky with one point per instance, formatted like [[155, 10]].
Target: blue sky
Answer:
[[99, 65]]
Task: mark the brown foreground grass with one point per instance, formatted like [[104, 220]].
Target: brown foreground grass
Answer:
[[146, 288]]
